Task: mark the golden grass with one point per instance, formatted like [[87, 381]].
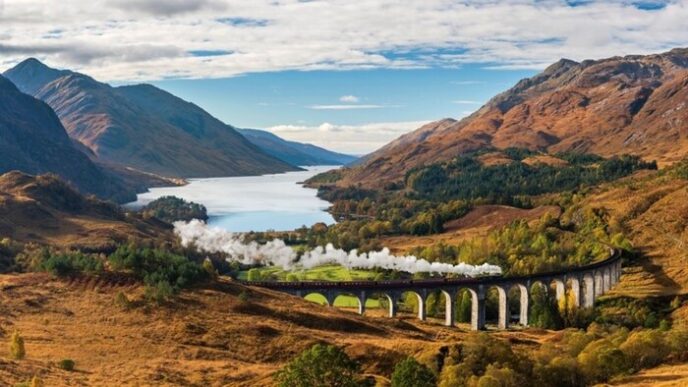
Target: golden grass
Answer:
[[675, 375], [207, 337], [654, 213]]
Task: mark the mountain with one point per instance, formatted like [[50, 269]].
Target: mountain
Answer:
[[292, 152], [633, 104], [143, 127], [33, 140]]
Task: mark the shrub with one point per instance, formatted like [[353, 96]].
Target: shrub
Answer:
[[66, 263], [561, 371], [498, 377], [675, 303], [17, 350], [601, 360], [678, 343], [67, 364], [122, 300], [321, 366], [244, 296], [410, 373], [645, 348], [209, 268], [159, 292], [34, 382], [473, 357]]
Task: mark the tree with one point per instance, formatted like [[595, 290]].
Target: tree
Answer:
[[210, 268], [464, 311], [544, 311], [646, 348], [321, 366], [410, 373]]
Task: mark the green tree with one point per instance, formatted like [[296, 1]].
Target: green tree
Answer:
[[321, 366], [410, 373], [544, 312], [464, 311]]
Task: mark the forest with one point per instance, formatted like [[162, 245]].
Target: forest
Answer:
[[467, 178]]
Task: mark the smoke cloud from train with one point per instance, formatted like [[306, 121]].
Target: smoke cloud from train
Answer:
[[277, 253]]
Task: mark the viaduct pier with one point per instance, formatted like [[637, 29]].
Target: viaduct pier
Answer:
[[581, 284]]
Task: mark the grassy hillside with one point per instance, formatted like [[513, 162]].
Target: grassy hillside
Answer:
[[45, 210], [206, 337]]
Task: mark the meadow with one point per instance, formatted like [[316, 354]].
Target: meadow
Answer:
[[321, 273]]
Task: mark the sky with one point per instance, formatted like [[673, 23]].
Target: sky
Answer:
[[348, 75]]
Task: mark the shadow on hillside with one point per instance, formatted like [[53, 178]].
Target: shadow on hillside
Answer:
[[642, 259], [308, 320]]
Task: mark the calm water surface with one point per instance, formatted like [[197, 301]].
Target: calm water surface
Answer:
[[253, 203]]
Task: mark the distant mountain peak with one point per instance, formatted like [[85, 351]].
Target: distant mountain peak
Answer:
[[32, 64], [31, 75], [33, 140]]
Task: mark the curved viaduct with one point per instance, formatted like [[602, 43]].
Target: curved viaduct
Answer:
[[583, 284]]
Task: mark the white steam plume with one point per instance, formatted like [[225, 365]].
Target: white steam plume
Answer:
[[277, 253]]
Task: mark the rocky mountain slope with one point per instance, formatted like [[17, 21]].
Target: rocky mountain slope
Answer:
[[43, 209], [294, 153], [33, 140], [633, 104], [143, 127]]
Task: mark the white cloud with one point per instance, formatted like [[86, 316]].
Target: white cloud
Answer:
[[348, 99], [353, 139], [347, 107], [466, 102], [463, 83], [268, 35]]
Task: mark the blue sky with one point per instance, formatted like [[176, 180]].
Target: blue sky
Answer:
[[350, 75], [306, 99]]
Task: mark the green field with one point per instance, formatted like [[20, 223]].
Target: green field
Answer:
[[323, 273]]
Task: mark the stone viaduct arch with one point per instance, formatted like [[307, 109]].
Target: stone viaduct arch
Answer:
[[587, 283]]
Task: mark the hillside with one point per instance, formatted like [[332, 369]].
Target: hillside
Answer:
[[33, 140], [143, 127], [294, 153], [43, 209], [208, 336], [633, 104], [476, 223], [653, 210]]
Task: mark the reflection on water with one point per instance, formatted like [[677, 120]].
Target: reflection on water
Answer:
[[253, 203]]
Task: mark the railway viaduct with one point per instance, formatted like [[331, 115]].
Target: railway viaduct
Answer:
[[582, 284]]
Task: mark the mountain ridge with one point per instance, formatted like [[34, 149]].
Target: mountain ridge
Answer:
[[294, 152], [632, 104], [134, 126], [32, 139]]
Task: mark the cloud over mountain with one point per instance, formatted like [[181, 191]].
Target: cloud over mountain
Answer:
[[103, 37]]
